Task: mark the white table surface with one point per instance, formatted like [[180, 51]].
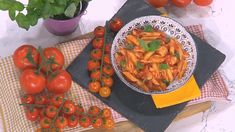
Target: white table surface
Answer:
[[219, 31]]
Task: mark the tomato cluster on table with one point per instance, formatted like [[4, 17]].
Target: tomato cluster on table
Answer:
[[99, 65]]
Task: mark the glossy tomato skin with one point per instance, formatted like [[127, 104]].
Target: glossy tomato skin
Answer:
[[106, 113], [93, 64], [108, 48], [109, 123], [79, 110], [28, 99], [59, 82], [181, 3], [105, 92], [32, 82], [203, 2], [57, 100], [85, 122], [42, 113], [108, 70], [95, 75], [20, 57], [45, 122], [61, 122], [94, 111], [158, 3], [108, 81], [116, 24], [32, 114], [72, 121], [69, 107], [107, 59], [52, 54], [99, 31], [97, 123], [96, 54], [94, 86], [98, 43], [51, 111], [41, 100]]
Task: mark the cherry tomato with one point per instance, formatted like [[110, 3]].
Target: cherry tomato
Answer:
[[116, 24], [41, 100], [158, 3], [108, 81], [99, 31], [108, 123], [203, 2], [57, 100], [26, 56], [61, 122], [59, 82], [94, 111], [51, 111], [108, 70], [181, 3], [69, 107], [96, 54], [28, 99], [93, 64], [72, 121], [94, 86], [85, 122], [79, 110], [32, 114], [53, 59], [106, 113], [107, 48], [32, 82], [45, 122], [105, 92], [98, 43], [107, 59], [97, 123], [95, 75], [42, 113]]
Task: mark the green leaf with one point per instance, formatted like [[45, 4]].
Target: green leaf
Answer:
[[70, 11], [61, 2], [148, 28], [166, 82], [168, 39], [56, 10], [18, 6], [123, 63], [46, 10], [139, 66], [164, 66], [12, 14], [22, 21], [177, 55], [154, 45], [143, 44], [33, 19], [5, 5], [129, 47]]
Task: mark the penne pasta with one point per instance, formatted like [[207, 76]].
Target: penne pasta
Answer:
[[132, 39]]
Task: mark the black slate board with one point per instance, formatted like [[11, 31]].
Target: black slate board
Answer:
[[137, 107]]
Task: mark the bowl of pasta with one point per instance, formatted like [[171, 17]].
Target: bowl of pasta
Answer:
[[154, 55]]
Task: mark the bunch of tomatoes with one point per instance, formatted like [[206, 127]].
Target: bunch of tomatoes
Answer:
[[179, 3], [99, 65], [56, 113]]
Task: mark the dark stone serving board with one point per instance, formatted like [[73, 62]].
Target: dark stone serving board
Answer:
[[136, 107]]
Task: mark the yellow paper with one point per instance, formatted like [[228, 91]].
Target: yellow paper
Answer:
[[185, 93]]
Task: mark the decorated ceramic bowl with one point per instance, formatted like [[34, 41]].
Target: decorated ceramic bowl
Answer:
[[174, 30]]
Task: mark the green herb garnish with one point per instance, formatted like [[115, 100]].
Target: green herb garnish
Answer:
[[123, 63], [168, 39], [139, 66], [129, 47], [143, 44], [166, 82], [154, 45], [164, 66], [148, 28], [177, 55]]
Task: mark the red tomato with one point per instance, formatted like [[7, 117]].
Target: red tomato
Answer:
[[107, 48], [181, 3], [106, 113], [32, 114], [158, 3], [107, 81], [98, 43], [59, 82], [93, 64], [95, 75], [72, 121], [96, 54], [97, 123], [61, 122], [79, 110], [99, 31], [94, 86], [105, 92], [85, 122], [41, 100], [42, 113], [108, 70], [107, 59], [32, 82], [53, 59], [94, 111], [116, 24], [51, 111], [26, 56], [203, 2], [45, 122], [108, 123], [69, 107], [57, 100], [28, 99]]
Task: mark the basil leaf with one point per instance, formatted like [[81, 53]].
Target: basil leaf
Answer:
[[164, 66], [22, 21], [33, 18], [12, 14], [139, 66], [70, 11], [18, 6], [143, 45], [148, 28], [166, 82], [177, 55], [56, 10], [123, 63], [5, 5], [129, 47], [154, 45]]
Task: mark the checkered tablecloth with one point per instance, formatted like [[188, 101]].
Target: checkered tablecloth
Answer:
[[13, 117]]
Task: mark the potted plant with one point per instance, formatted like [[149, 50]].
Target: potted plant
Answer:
[[60, 16]]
